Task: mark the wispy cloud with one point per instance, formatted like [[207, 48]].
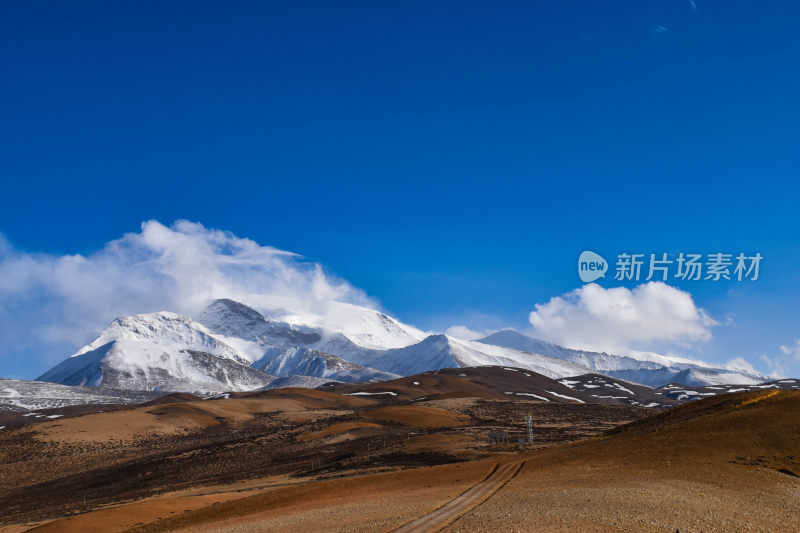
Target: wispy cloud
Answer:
[[739, 363], [781, 364], [659, 30]]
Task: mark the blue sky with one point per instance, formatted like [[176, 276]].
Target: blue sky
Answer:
[[451, 159]]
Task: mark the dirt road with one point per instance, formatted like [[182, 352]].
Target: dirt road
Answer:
[[471, 498]]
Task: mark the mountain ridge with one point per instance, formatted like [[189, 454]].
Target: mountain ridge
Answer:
[[640, 369], [232, 346]]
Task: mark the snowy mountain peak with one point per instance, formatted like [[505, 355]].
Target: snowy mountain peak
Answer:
[[231, 346], [234, 319], [158, 351], [225, 312], [363, 326], [162, 328], [441, 351]]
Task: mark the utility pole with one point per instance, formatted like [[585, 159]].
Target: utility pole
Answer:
[[529, 424]]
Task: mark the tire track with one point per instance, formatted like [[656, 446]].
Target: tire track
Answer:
[[439, 518]]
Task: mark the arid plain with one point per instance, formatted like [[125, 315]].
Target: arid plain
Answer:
[[335, 460]]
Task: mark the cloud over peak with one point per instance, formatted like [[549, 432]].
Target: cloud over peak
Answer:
[[51, 304]]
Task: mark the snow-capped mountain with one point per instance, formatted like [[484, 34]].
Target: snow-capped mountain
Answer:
[[240, 324], [237, 349], [231, 346], [442, 351], [165, 329], [300, 343], [281, 321], [158, 351], [645, 368]]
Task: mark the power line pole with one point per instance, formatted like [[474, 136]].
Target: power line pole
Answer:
[[529, 425]]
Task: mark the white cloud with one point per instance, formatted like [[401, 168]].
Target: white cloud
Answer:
[[52, 304], [619, 319], [781, 365], [463, 332]]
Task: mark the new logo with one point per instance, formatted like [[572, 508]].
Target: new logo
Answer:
[[591, 266]]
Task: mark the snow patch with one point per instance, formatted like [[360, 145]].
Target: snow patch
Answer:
[[623, 389], [565, 397], [532, 395]]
